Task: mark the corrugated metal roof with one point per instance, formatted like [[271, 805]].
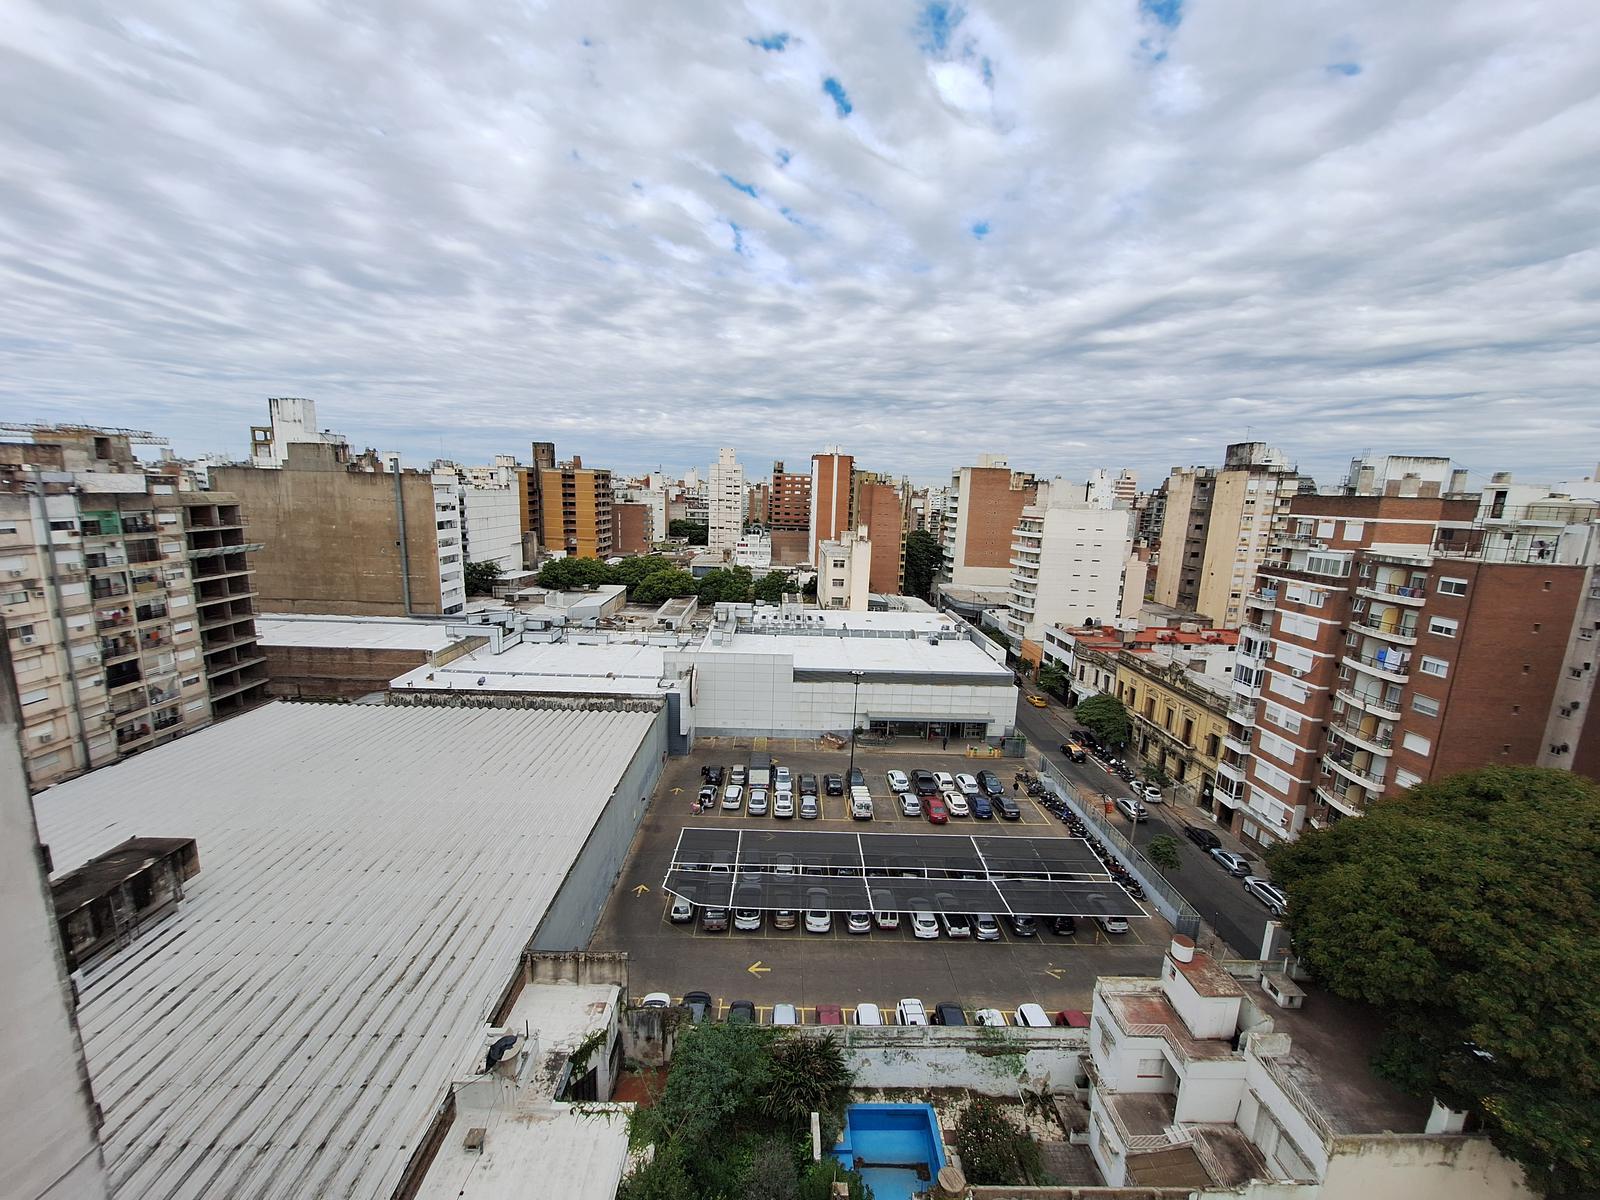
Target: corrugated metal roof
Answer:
[[353, 633], [369, 878]]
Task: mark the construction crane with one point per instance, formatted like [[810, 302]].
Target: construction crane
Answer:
[[142, 436]]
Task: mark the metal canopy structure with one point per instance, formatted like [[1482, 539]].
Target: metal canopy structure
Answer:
[[894, 872]]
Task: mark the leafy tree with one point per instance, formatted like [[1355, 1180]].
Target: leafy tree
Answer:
[[997, 635], [923, 556], [819, 1178], [1107, 718], [663, 586], [481, 577], [1157, 774], [808, 1075], [771, 586], [570, 573], [1162, 850], [1468, 910], [1053, 679], [809, 591], [772, 1174], [993, 1150], [631, 571], [734, 584], [698, 532]]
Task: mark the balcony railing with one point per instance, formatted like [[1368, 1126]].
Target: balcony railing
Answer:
[[1377, 625], [1307, 1106], [1390, 663], [1365, 776], [1401, 591], [1353, 729]]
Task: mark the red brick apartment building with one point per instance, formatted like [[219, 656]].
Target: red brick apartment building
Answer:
[[1395, 639]]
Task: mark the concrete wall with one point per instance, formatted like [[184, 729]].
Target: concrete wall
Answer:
[[989, 1061], [325, 672], [575, 911], [491, 520], [1395, 1167]]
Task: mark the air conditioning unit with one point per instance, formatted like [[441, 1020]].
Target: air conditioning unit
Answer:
[[1297, 672], [17, 573], [28, 639], [45, 737]]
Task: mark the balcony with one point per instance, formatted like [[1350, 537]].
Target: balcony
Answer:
[[1379, 706], [100, 590], [1230, 772], [1404, 633], [1376, 739], [1262, 598], [1401, 593], [1389, 666], [1239, 745], [116, 650], [117, 618], [1345, 764], [134, 735], [1343, 804]]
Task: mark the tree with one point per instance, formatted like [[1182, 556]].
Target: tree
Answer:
[[1468, 910], [1162, 851], [771, 586], [819, 1178], [1053, 679], [1156, 773], [569, 573], [993, 1150], [481, 577], [923, 557], [663, 586], [725, 584], [1107, 718], [630, 571], [772, 1174], [997, 635], [698, 532], [808, 1075]]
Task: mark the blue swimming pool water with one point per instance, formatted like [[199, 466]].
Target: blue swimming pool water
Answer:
[[896, 1147]]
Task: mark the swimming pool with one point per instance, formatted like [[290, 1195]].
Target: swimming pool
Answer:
[[896, 1147]]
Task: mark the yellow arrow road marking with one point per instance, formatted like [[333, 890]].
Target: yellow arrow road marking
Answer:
[[756, 968], [641, 889], [1055, 972]]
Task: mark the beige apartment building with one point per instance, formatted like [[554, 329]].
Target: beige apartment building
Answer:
[[982, 507], [575, 510], [1216, 527]]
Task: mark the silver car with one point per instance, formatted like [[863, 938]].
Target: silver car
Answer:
[[1231, 862]]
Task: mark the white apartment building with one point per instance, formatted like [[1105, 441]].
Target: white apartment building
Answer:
[[490, 513], [292, 419], [844, 572], [652, 493], [1072, 562], [753, 550], [450, 544], [727, 502]]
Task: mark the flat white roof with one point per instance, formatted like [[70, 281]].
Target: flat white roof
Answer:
[[559, 668], [826, 652], [369, 877], [353, 633]]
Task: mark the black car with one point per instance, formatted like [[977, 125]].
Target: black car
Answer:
[[714, 776], [1203, 838], [990, 783], [924, 784], [857, 779], [949, 1014], [1008, 808], [808, 785], [741, 1012], [1074, 751], [1023, 927], [1063, 926], [833, 784], [699, 1006]]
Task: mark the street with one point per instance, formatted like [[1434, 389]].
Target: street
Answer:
[[1220, 899]]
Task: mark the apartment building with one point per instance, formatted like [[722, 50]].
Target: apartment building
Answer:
[[1215, 529], [1072, 563], [982, 507], [530, 482], [98, 601], [844, 572], [632, 528], [224, 601], [788, 500], [491, 499], [575, 510], [727, 501], [832, 476], [1176, 685], [1397, 638], [291, 420], [879, 504]]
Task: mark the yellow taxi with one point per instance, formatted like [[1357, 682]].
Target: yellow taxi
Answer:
[[1038, 702]]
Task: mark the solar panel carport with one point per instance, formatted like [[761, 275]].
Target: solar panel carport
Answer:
[[893, 872]]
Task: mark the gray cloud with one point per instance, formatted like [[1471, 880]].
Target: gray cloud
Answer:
[[1339, 227]]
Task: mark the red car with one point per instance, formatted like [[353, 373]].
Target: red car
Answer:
[[830, 1014], [934, 806]]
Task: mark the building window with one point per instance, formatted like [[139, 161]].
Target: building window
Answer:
[[1151, 1068], [1437, 667], [1416, 743], [1425, 706], [1452, 587], [1443, 626], [35, 697]]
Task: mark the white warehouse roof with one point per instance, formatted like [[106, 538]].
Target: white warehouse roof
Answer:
[[352, 633], [369, 877], [558, 668]]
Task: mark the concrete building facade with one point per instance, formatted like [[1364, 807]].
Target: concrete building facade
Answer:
[[575, 507], [982, 507], [832, 474], [727, 502], [844, 572], [292, 420], [788, 501], [220, 564], [880, 508], [1072, 563]]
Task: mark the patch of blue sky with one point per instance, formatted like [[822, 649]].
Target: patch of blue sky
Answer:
[[1344, 68], [775, 43], [935, 23], [783, 156], [738, 240], [789, 215], [980, 230], [1163, 12], [749, 189], [841, 101]]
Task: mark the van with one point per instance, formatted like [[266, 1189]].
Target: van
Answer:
[[1031, 1016], [869, 1014], [861, 806]]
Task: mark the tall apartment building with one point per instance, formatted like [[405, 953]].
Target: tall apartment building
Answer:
[[879, 505], [1126, 488], [1396, 638], [575, 510], [727, 502], [982, 508], [491, 500], [1216, 527], [351, 536], [530, 481], [1072, 564], [832, 475], [632, 528], [98, 601], [224, 601], [788, 500]]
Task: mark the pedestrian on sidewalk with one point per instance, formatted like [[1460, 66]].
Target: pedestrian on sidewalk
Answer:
[[944, 743]]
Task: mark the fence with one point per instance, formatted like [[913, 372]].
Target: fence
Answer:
[[1167, 899]]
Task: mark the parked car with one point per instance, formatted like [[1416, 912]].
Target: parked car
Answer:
[[869, 1014], [1063, 926], [986, 928], [830, 1014], [732, 796], [1230, 862], [1032, 1016], [747, 920], [785, 1014], [738, 774], [781, 776], [956, 804], [945, 780], [924, 784], [989, 1016], [1038, 701], [810, 808], [857, 778], [1148, 792], [886, 920], [783, 805], [783, 863], [911, 1012], [1131, 808], [938, 814], [1269, 894], [982, 807], [949, 1014], [967, 784], [741, 1012], [682, 911], [1113, 925], [808, 784], [708, 796], [1023, 926], [833, 784], [858, 922], [861, 806], [714, 776], [989, 783], [1074, 750], [699, 1006], [656, 1000], [898, 781], [910, 804], [955, 925], [785, 918], [1202, 837], [818, 918], [714, 920], [756, 804], [1008, 808], [924, 926]]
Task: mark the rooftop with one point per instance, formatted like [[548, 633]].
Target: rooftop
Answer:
[[291, 1029], [352, 633], [614, 668]]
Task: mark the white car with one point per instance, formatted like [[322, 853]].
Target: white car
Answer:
[[682, 910], [785, 1014], [781, 777], [887, 920], [1113, 925], [1149, 792], [967, 785], [910, 804], [756, 806], [869, 1014], [783, 805], [989, 1016], [945, 780], [924, 926], [1269, 894], [956, 804], [861, 808], [1031, 1016], [818, 921], [898, 781], [747, 920], [732, 796], [657, 1000], [1131, 808], [911, 1012]]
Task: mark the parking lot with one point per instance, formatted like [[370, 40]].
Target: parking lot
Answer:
[[806, 969]]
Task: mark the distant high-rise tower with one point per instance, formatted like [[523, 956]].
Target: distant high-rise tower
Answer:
[[727, 502], [830, 497]]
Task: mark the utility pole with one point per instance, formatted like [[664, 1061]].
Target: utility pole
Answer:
[[855, 696]]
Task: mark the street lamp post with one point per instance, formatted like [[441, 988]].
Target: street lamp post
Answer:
[[855, 696]]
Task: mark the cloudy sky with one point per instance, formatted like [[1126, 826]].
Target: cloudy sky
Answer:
[[1080, 234]]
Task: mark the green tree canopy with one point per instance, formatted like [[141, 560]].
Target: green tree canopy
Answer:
[[727, 584], [993, 1149], [480, 577], [771, 586], [1053, 679], [1162, 850], [1107, 718], [923, 557], [1468, 910], [567, 573], [663, 586], [641, 566], [698, 532]]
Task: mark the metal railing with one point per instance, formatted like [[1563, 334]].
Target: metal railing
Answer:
[[1377, 625], [1353, 729], [1307, 1106], [1390, 663], [1392, 589]]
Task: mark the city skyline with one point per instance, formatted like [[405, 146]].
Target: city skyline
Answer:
[[1099, 233]]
